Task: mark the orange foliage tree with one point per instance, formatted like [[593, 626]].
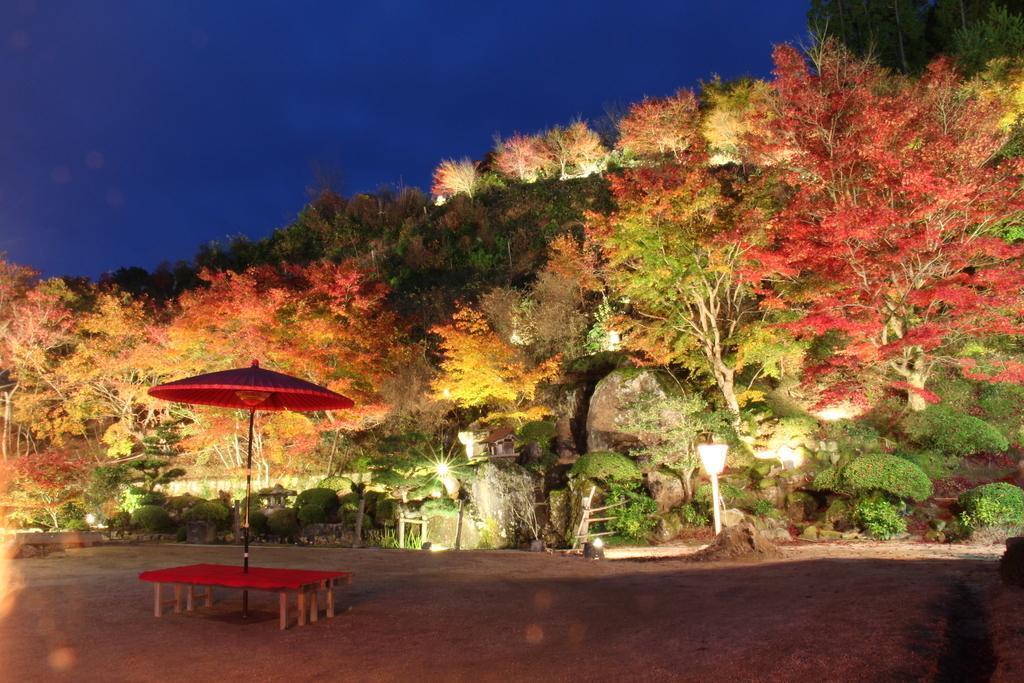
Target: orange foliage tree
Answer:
[[479, 369], [660, 127], [525, 157]]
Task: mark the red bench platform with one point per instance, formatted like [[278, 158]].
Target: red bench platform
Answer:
[[306, 583]]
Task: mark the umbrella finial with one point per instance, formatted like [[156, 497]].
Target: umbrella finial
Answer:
[[255, 363]]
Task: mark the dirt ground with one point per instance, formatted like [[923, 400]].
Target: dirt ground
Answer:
[[826, 612]]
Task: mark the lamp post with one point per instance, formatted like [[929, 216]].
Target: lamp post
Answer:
[[712, 457]]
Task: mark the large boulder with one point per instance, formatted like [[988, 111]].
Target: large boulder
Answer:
[[666, 488], [494, 496], [611, 396]]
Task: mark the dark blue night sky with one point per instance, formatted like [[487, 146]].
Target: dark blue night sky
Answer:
[[131, 132]]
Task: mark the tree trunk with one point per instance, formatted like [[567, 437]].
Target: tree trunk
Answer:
[[5, 436], [915, 401], [899, 35], [360, 512]]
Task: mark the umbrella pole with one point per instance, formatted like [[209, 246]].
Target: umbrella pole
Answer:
[[248, 504]]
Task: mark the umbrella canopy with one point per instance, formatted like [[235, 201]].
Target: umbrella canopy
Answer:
[[252, 388]]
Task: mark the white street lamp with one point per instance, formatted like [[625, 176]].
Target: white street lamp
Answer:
[[712, 457]]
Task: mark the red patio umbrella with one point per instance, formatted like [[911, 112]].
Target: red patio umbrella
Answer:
[[252, 389]]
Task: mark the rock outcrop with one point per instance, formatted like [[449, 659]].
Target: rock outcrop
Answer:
[[611, 396]]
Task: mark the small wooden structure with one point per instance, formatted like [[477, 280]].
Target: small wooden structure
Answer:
[[583, 534], [402, 521], [500, 443]]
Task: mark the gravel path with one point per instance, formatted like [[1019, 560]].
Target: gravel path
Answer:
[[837, 612]]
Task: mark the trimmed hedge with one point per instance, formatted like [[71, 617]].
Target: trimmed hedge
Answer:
[[606, 466], [325, 498], [312, 514], [886, 473], [257, 523], [152, 518], [943, 429], [993, 505], [208, 511], [283, 523]]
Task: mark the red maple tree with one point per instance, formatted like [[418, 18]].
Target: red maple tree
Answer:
[[887, 236]]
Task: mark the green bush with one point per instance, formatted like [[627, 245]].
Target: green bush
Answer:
[[76, 525], [828, 479], [440, 507], [182, 503], [257, 523], [635, 519], [762, 507], [933, 463], [691, 516], [349, 502], [889, 474], [1001, 405], [993, 505], [120, 521], [879, 518], [181, 535], [208, 511], [540, 432], [386, 512], [312, 514], [152, 498], [283, 523], [151, 518], [325, 498], [338, 484], [606, 466], [943, 429]]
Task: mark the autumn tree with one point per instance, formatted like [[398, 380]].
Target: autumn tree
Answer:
[[656, 127], [525, 157], [328, 323], [36, 330], [480, 369], [455, 177], [40, 485], [887, 242], [577, 150], [677, 248]]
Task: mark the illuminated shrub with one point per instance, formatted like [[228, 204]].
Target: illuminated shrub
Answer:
[[323, 497], [948, 431], [283, 523], [888, 474], [336, 484], [152, 518], [312, 514], [993, 505], [634, 518], [257, 523], [208, 511], [606, 466], [879, 518]]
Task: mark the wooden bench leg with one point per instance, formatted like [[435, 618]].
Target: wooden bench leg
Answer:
[[302, 606], [209, 596], [330, 598], [282, 598], [157, 602], [314, 607], [177, 598], [190, 596]]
